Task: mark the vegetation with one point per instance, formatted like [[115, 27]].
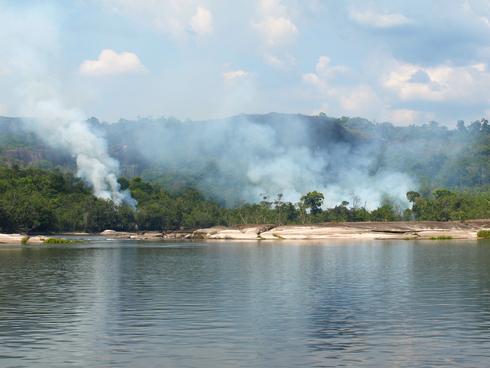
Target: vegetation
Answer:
[[441, 238], [445, 205], [484, 234], [432, 154], [61, 241], [34, 200]]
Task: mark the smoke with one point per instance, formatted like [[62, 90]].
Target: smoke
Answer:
[[234, 160], [244, 158], [68, 130], [29, 50]]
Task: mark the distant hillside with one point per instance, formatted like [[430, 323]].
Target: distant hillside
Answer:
[[178, 154]]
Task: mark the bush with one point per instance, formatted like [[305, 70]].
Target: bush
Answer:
[[483, 234], [61, 241]]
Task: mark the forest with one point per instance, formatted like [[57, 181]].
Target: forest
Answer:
[[34, 200], [175, 189]]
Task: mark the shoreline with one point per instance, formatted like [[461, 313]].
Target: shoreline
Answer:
[[396, 230]]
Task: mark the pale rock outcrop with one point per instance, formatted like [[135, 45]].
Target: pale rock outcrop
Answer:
[[21, 239]]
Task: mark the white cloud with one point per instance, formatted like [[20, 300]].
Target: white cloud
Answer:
[[363, 99], [202, 21], [324, 69], [323, 75], [267, 7], [235, 74], [281, 62], [274, 24], [276, 31], [360, 100], [441, 83], [379, 20], [397, 91], [171, 17], [110, 62]]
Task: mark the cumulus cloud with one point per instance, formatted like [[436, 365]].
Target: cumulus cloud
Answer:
[[324, 73], [202, 21], [358, 98], [274, 25], [176, 18], [276, 31], [440, 83], [399, 91], [235, 74], [379, 20], [110, 62]]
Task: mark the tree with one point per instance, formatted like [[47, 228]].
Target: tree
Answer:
[[313, 201], [412, 196], [461, 127]]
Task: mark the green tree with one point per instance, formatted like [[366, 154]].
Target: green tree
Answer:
[[313, 201]]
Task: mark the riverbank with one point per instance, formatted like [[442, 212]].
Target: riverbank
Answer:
[[408, 230], [21, 239], [402, 230]]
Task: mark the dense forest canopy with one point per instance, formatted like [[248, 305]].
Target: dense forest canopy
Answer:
[[38, 200], [162, 166]]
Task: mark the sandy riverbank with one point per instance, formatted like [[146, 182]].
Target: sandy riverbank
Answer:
[[347, 230]]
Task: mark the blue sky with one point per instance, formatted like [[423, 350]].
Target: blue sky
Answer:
[[400, 61]]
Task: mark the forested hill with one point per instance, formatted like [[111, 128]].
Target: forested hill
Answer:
[[164, 149], [184, 164]]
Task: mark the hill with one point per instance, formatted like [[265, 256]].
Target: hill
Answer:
[[246, 157]]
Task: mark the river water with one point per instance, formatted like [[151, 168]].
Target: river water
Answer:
[[269, 304]]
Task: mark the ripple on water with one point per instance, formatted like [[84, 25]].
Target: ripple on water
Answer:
[[370, 304]]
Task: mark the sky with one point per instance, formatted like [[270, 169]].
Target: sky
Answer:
[[400, 61]]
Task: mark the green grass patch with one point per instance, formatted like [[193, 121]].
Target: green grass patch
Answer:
[[61, 241], [24, 240], [483, 234], [441, 238]]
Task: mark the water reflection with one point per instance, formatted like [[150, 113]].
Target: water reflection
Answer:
[[372, 304]]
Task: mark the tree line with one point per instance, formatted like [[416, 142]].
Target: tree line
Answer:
[[34, 200]]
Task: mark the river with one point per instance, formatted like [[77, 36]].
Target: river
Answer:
[[246, 304]]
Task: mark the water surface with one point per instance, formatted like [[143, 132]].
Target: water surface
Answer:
[[279, 304]]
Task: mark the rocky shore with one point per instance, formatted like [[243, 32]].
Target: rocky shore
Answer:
[[409, 230], [347, 230], [21, 239]]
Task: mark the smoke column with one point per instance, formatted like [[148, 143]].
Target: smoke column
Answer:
[[67, 129], [29, 51], [245, 157]]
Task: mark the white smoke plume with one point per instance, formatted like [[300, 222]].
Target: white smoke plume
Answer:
[[67, 129], [29, 51], [244, 158]]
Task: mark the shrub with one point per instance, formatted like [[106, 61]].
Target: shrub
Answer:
[[60, 241], [483, 234]]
